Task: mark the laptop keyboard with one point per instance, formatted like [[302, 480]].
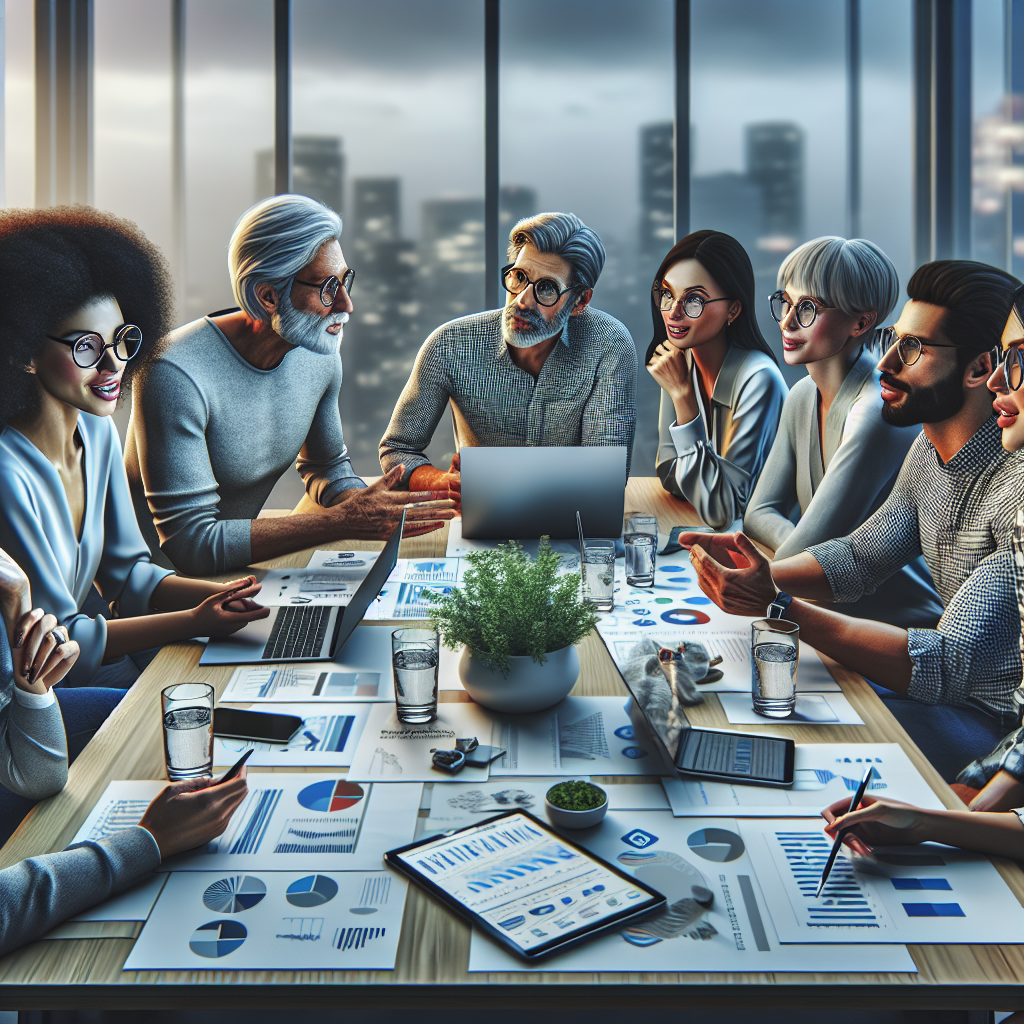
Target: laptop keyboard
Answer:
[[734, 755], [297, 633]]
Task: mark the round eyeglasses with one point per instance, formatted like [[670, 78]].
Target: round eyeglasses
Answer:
[[1013, 367], [693, 305], [807, 310], [908, 348], [329, 288], [87, 349], [545, 290]]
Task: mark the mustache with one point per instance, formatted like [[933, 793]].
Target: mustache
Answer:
[[534, 319], [890, 382]]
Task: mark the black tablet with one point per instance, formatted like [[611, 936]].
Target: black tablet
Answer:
[[527, 887]]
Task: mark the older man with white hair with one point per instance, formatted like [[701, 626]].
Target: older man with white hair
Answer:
[[231, 400]]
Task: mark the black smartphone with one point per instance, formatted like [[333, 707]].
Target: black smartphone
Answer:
[[254, 725], [233, 771]]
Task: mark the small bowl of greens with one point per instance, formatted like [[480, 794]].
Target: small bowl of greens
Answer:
[[575, 804]]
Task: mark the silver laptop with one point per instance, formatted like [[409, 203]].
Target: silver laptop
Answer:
[[309, 633], [524, 493]]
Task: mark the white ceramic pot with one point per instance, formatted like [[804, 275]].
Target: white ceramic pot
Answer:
[[529, 686]]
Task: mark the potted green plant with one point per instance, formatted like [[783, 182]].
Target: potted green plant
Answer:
[[575, 804], [516, 619]]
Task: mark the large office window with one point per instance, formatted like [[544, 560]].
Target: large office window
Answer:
[[886, 135], [388, 129], [586, 126], [769, 160], [19, 104], [132, 158], [229, 120], [993, 113], [388, 126]]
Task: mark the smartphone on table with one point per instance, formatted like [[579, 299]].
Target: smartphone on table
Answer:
[[263, 726]]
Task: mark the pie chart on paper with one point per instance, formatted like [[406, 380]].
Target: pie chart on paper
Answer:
[[233, 895], [217, 939], [311, 891], [716, 844], [331, 795]]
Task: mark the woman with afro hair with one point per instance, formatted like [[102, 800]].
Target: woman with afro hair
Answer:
[[84, 297]]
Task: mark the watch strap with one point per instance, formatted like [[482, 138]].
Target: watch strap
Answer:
[[778, 608]]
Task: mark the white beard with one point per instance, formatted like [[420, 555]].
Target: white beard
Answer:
[[540, 329], [308, 330]]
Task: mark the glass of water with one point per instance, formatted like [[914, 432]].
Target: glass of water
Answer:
[[774, 653], [598, 575], [640, 543], [414, 657], [187, 710]]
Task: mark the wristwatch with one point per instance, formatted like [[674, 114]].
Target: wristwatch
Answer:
[[778, 608]]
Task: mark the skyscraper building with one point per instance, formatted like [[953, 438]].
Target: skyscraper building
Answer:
[[775, 162], [514, 203], [657, 189], [318, 170], [452, 263], [384, 334]]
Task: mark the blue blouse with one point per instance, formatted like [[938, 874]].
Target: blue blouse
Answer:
[[37, 531]]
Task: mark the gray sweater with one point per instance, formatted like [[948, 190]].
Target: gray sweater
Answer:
[[33, 748], [210, 435], [831, 496], [39, 893]]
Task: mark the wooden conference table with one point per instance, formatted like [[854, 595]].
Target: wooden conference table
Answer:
[[431, 967]]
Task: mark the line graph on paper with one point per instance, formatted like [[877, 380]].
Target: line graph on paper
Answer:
[[800, 857]]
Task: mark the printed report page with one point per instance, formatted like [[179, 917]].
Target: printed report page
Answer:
[[525, 882]]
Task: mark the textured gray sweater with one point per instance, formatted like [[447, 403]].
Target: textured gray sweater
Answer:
[[211, 434], [37, 894]]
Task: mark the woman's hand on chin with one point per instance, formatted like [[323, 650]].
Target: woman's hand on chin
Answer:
[[668, 367]]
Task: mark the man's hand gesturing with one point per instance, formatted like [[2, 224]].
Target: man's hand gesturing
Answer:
[[373, 512], [739, 591]]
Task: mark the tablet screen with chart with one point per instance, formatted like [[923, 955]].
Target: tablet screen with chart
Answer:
[[523, 884]]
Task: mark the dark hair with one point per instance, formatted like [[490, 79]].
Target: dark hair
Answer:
[[976, 299], [728, 263], [55, 260]]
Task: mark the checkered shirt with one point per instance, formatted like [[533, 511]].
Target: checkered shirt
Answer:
[[960, 515], [585, 393]]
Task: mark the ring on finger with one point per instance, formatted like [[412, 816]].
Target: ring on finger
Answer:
[[60, 635]]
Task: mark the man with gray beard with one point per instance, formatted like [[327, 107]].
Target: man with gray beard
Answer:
[[228, 402], [547, 369]]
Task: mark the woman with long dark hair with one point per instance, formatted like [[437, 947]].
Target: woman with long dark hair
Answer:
[[722, 390]]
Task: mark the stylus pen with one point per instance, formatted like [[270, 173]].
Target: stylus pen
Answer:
[[237, 766], [854, 804]]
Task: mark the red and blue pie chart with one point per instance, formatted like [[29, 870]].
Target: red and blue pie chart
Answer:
[[331, 795]]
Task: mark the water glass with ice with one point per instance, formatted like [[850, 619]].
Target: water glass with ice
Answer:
[[774, 653], [414, 658], [598, 575], [187, 710]]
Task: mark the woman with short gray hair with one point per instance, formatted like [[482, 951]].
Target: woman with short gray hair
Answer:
[[835, 460]]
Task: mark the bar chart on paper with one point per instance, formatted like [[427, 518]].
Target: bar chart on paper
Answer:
[[842, 902], [919, 894]]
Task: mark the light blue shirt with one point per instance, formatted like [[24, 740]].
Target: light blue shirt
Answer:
[[37, 531], [714, 461]]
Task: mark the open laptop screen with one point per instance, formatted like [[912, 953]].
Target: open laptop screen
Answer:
[[368, 590], [527, 492]]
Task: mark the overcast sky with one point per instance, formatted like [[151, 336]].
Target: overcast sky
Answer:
[[401, 82]]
